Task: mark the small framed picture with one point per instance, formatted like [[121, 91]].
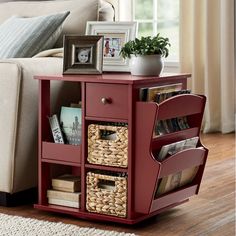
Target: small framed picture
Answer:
[[83, 54], [115, 34]]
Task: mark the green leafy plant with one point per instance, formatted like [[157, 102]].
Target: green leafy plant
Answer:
[[146, 46]]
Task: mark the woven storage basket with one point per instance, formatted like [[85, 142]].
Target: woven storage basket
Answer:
[[104, 199], [108, 152]]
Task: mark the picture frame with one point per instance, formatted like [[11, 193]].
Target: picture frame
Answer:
[[115, 34], [82, 54]]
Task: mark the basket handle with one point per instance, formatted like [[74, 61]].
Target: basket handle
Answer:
[[107, 134], [106, 184]]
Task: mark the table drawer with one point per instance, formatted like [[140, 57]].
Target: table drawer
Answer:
[[107, 100]]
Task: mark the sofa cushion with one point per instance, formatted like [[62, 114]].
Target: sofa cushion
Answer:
[[25, 37], [81, 11]]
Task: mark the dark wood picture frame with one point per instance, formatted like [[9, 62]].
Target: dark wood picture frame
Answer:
[[83, 54]]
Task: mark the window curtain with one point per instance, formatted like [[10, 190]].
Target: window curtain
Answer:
[[207, 52]]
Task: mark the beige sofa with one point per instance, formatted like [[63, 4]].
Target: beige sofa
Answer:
[[19, 92]]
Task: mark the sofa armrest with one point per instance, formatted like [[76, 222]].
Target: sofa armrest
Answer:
[[10, 81], [19, 115]]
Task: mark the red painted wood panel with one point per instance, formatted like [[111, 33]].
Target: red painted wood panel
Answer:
[[61, 152], [172, 198], [116, 96], [122, 78], [181, 105], [147, 169], [182, 160]]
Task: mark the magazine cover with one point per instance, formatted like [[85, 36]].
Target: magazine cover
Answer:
[[70, 120], [171, 149], [176, 180]]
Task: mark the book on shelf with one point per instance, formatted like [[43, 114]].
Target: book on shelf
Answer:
[[176, 180], [70, 121], [67, 183], [56, 129], [62, 202], [69, 196], [171, 149], [149, 94]]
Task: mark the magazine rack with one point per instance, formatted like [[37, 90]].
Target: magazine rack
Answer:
[[122, 95]]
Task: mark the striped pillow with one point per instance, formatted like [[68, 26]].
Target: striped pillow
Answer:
[[25, 37]]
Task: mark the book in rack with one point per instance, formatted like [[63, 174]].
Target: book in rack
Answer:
[[150, 93], [56, 129]]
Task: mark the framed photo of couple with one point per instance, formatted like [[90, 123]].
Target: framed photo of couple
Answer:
[[82, 54], [115, 34]]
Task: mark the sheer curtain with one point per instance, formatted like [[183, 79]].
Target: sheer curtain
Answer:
[[207, 51]]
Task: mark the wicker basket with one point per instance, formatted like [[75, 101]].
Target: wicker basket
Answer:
[[106, 194], [108, 152]]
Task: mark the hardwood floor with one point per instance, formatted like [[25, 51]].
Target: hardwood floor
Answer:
[[212, 212]]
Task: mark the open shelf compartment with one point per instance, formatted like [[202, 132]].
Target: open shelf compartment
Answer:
[[51, 171]]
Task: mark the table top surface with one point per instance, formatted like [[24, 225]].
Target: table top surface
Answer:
[[121, 78]]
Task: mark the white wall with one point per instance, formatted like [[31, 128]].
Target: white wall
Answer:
[[125, 10]]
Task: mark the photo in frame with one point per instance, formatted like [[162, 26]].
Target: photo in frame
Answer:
[[115, 34], [83, 54]]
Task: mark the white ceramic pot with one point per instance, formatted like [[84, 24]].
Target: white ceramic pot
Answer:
[[146, 65]]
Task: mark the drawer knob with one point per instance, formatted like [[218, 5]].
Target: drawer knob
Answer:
[[105, 101]]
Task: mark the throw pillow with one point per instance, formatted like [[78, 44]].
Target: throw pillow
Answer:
[[25, 37]]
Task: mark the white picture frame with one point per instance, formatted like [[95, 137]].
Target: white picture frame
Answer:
[[116, 34]]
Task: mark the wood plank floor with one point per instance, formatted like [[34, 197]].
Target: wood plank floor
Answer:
[[212, 212]]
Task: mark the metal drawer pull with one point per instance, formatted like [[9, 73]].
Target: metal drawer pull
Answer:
[[105, 101]]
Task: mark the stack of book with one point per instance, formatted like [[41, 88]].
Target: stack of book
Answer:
[[65, 191]]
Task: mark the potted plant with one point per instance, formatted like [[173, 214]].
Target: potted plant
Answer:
[[146, 54]]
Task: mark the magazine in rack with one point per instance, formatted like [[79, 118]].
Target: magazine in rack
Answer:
[[171, 149], [176, 180]]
